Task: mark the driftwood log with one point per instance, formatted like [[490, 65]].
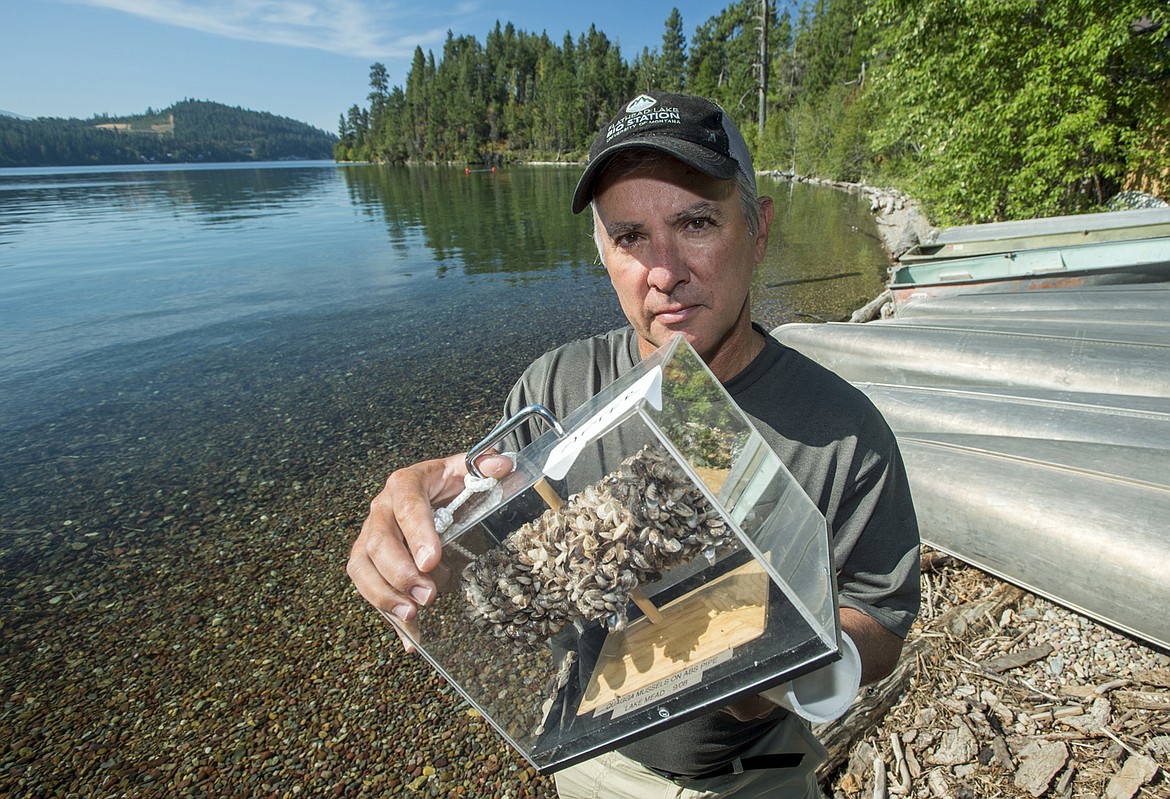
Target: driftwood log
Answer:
[[872, 309]]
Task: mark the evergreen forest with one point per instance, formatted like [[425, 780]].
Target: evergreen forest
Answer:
[[188, 131], [981, 110]]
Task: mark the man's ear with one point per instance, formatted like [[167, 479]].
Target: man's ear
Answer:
[[767, 211], [597, 242]]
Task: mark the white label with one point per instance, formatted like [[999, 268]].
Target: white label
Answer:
[[564, 454], [656, 692]]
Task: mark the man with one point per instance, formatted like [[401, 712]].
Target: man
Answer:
[[680, 228]]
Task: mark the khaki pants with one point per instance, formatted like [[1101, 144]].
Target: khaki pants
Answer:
[[615, 776]]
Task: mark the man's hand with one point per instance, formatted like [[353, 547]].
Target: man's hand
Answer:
[[395, 560]]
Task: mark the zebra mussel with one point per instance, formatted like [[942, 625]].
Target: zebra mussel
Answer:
[[583, 561]]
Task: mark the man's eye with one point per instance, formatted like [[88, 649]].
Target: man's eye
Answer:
[[699, 224], [628, 240]]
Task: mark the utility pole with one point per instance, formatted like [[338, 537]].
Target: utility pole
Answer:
[[763, 110]]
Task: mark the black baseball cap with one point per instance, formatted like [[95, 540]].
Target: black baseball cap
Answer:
[[693, 129]]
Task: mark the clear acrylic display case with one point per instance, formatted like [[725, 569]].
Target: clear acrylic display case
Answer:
[[650, 560]]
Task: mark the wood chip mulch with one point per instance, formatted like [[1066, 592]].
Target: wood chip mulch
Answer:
[[1005, 694]]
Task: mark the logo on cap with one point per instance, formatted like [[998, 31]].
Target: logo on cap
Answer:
[[640, 103]]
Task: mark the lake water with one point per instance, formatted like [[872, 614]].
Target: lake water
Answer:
[[190, 299], [109, 274], [205, 374]]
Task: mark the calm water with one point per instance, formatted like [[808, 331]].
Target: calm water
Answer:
[[154, 321], [109, 274], [205, 373]]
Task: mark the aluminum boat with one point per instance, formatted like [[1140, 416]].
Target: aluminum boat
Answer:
[[1029, 234], [1035, 427]]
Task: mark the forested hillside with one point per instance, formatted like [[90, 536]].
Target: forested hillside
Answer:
[[982, 110], [192, 130]]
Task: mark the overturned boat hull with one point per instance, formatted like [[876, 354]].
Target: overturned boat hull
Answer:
[[1110, 263], [1036, 436], [1030, 234]]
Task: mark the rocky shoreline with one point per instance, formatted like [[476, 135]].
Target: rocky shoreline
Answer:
[[900, 221]]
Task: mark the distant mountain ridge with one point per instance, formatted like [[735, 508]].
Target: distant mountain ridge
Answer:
[[188, 131]]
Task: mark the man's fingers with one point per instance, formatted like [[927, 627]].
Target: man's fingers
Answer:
[[373, 586], [395, 607], [412, 494], [396, 559], [416, 519], [396, 565], [407, 631], [494, 465]]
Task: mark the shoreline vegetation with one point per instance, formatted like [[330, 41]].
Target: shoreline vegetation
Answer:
[[980, 116]]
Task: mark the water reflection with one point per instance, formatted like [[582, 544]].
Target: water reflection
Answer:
[[824, 258], [107, 274], [514, 221], [217, 196], [97, 258]]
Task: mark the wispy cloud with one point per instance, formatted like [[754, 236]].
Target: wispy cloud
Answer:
[[362, 28]]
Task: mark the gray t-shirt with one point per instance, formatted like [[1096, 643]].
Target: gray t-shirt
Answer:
[[836, 445]]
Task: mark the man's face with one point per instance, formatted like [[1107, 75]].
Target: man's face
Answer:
[[679, 252]]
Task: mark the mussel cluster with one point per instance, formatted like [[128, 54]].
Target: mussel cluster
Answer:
[[583, 561]]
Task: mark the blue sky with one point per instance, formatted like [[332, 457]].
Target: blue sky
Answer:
[[305, 59]]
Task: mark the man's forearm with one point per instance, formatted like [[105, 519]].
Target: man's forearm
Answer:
[[879, 648]]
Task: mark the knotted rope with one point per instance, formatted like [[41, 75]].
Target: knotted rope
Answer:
[[445, 517]]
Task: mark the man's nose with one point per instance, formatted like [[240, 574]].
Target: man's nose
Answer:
[[667, 267]]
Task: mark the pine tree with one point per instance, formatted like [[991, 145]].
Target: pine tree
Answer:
[[673, 63]]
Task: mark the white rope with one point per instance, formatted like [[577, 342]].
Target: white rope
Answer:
[[445, 517]]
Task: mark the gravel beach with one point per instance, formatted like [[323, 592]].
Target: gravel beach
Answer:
[[177, 621], [1009, 695]]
